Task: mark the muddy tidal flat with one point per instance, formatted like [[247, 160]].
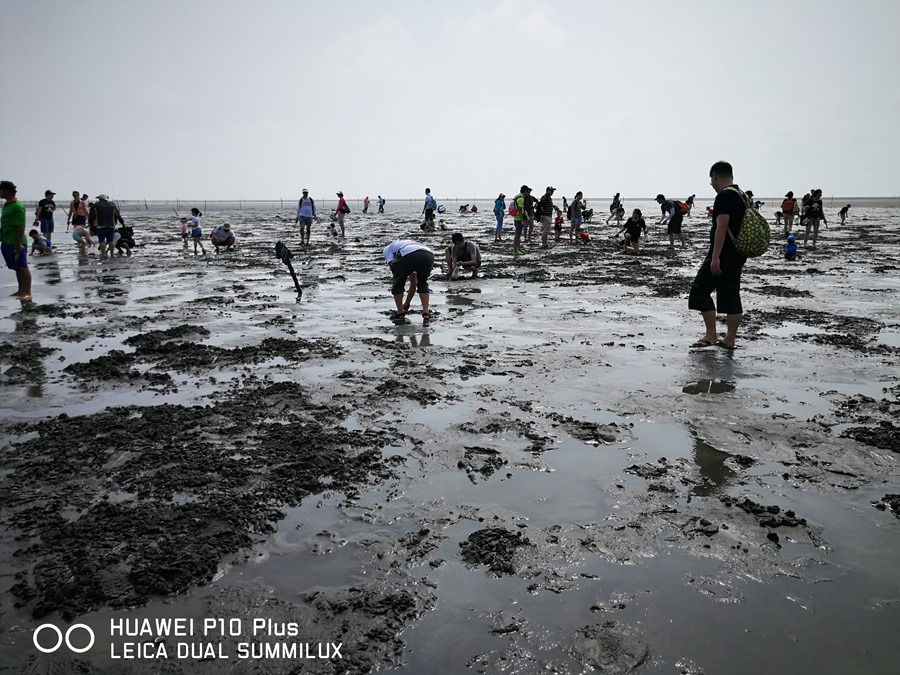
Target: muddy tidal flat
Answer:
[[202, 474]]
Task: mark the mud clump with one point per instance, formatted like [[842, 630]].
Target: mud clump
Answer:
[[885, 436], [132, 502], [767, 516], [891, 502], [481, 461], [495, 547]]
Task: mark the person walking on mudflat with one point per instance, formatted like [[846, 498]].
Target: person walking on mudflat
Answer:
[[306, 212], [814, 213], [406, 258], [13, 242], [722, 267], [788, 208], [341, 211]]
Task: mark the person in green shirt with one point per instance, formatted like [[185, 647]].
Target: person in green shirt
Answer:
[[13, 242], [519, 218]]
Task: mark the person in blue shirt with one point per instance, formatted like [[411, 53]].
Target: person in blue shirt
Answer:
[[790, 249], [499, 212], [306, 213]]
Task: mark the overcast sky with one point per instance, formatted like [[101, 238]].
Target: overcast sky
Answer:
[[219, 99]]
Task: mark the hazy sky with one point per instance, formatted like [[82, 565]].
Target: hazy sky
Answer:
[[219, 99]]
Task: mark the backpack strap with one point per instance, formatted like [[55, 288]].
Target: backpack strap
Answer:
[[747, 204]]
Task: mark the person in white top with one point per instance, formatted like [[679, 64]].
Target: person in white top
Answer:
[[406, 258]]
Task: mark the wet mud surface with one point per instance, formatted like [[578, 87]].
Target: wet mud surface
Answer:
[[544, 478]]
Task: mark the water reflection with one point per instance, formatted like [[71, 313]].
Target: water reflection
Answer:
[[707, 386], [415, 341], [715, 472], [456, 299], [52, 267], [27, 365]]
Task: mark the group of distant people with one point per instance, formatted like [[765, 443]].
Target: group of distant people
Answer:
[[719, 273], [100, 219]]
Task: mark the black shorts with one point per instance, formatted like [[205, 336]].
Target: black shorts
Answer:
[[675, 224], [79, 220], [429, 214], [727, 286], [420, 262]]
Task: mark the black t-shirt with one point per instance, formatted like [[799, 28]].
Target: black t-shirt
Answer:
[[814, 208], [731, 203], [634, 227], [47, 207]]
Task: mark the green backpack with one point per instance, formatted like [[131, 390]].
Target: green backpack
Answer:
[[753, 239]]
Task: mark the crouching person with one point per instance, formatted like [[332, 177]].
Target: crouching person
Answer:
[[223, 236], [464, 256]]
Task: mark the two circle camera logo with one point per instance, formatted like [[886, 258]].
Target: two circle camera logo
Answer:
[[63, 637]]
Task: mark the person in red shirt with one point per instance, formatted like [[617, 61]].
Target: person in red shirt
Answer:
[[342, 209]]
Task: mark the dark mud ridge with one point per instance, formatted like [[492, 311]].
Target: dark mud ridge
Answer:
[[132, 502]]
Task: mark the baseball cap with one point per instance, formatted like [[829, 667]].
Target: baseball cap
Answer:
[[791, 239], [550, 187], [525, 188], [340, 194], [49, 192], [226, 226], [103, 196], [305, 191]]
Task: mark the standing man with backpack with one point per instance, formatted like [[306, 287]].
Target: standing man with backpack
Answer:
[[306, 212], [545, 205], [722, 267], [519, 202], [341, 211], [672, 217], [788, 207]]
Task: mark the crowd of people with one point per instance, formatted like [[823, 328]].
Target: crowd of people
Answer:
[[412, 262], [719, 273]]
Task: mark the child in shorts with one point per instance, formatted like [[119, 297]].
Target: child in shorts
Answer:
[[197, 237], [39, 244], [83, 238]]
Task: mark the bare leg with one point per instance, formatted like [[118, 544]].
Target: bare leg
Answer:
[[732, 321], [23, 276], [815, 233], [709, 321]]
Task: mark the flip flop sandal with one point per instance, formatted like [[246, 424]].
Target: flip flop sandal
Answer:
[[726, 347], [702, 344], [426, 318], [399, 318]]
